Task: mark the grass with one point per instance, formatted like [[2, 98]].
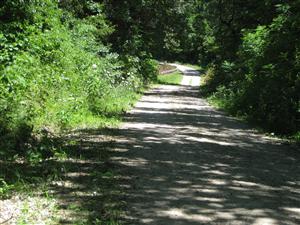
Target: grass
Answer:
[[196, 67], [221, 103], [80, 150], [75, 186], [37, 210], [170, 79]]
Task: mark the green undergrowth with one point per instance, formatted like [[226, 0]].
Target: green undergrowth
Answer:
[[222, 100], [57, 72], [260, 80], [58, 76], [296, 137], [56, 186], [170, 79]]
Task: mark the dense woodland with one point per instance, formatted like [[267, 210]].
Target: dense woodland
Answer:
[[70, 63], [249, 50], [80, 64]]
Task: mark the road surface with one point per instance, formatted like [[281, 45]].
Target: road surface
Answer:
[[183, 162]]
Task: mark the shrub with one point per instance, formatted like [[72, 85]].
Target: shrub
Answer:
[[264, 82], [55, 71]]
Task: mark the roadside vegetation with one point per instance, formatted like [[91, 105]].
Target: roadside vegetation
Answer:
[[58, 75], [255, 75], [174, 78], [70, 69], [248, 51]]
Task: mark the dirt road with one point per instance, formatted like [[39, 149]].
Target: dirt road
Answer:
[[191, 76], [183, 162]]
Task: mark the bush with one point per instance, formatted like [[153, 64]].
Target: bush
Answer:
[[272, 84], [56, 71], [263, 83], [149, 70]]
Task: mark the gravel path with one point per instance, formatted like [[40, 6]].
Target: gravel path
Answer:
[[183, 162], [191, 77]]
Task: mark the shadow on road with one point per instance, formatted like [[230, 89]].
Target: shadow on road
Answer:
[[192, 72], [83, 183], [183, 162], [177, 161]]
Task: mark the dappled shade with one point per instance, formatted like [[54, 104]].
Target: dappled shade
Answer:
[[186, 163]]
